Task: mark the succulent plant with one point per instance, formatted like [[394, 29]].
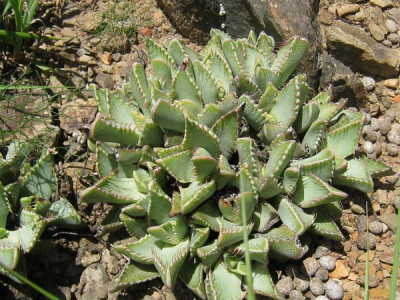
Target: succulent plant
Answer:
[[25, 194], [211, 158]]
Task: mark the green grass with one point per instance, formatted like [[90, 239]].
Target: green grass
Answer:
[[118, 24], [395, 270], [366, 282]]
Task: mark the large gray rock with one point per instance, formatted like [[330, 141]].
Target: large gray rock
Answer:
[[192, 18], [356, 48], [280, 18]]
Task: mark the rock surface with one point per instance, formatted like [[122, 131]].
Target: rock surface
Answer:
[[358, 50]]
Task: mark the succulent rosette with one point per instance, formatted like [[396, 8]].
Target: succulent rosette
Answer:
[[200, 151]]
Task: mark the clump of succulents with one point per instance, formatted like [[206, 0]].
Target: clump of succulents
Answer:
[[25, 206], [208, 159]]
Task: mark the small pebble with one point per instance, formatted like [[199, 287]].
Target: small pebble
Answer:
[[309, 266], [295, 295], [392, 149], [327, 262], [322, 297], [322, 274], [362, 241], [393, 135], [394, 38], [368, 147], [375, 227], [321, 251], [317, 286], [285, 285], [301, 283], [384, 125], [334, 289], [391, 26], [368, 82]]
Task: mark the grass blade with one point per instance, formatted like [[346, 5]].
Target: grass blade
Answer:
[[366, 282], [32, 285], [395, 270]]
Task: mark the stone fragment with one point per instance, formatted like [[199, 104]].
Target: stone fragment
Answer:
[[145, 31], [391, 26], [347, 9], [375, 227], [382, 3], [390, 220], [377, 32], [322, 274], [105, 81], [295, 295], [352, 287], [379, 293], [326, 17], [393, 135], [301, 282], [285, 285], [368, 82], [362, 241], [394, 14], [373, 281], [309, 266], [334, 289], [317, 286], [106, 58], [340, 271], [392, 149], [355, 48], [392, 83], [328, 262], [75, 114], [394, 38]]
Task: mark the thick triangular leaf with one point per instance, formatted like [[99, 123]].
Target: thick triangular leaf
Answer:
[[41, 180], [139, 251], [265, 216], [312, 191], [356, 176], [193, 276], [195, 194], [263, 284], [222, 284], [284, 244], [168, 260], [325, 227], [132, 274]]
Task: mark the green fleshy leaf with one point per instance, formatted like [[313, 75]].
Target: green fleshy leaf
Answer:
[[110, 131], [263, 284], [376, 169], [195, 194], [284, 244], [209, 254], [168, 116], [171, 232], [230, 233], [141, 250], [198, 238], [321, 165], [313, 137], [179, 166], [279, 157], [63, 213], [226, 129], [288, 58], [307, 115], [311, 191], [325, 227], [199, 136], [140, 88], [168, 260], [265, 216], [258, 249], [134, 273], [193, 276], [204, 164], [220, 70], [207, 215], [209, 89], [41, 180], [185, 88], [5, 207], [293, 216], [290, 178], [232, 56], [344, 140], [222, 284], [356, 176], [112, 189]]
